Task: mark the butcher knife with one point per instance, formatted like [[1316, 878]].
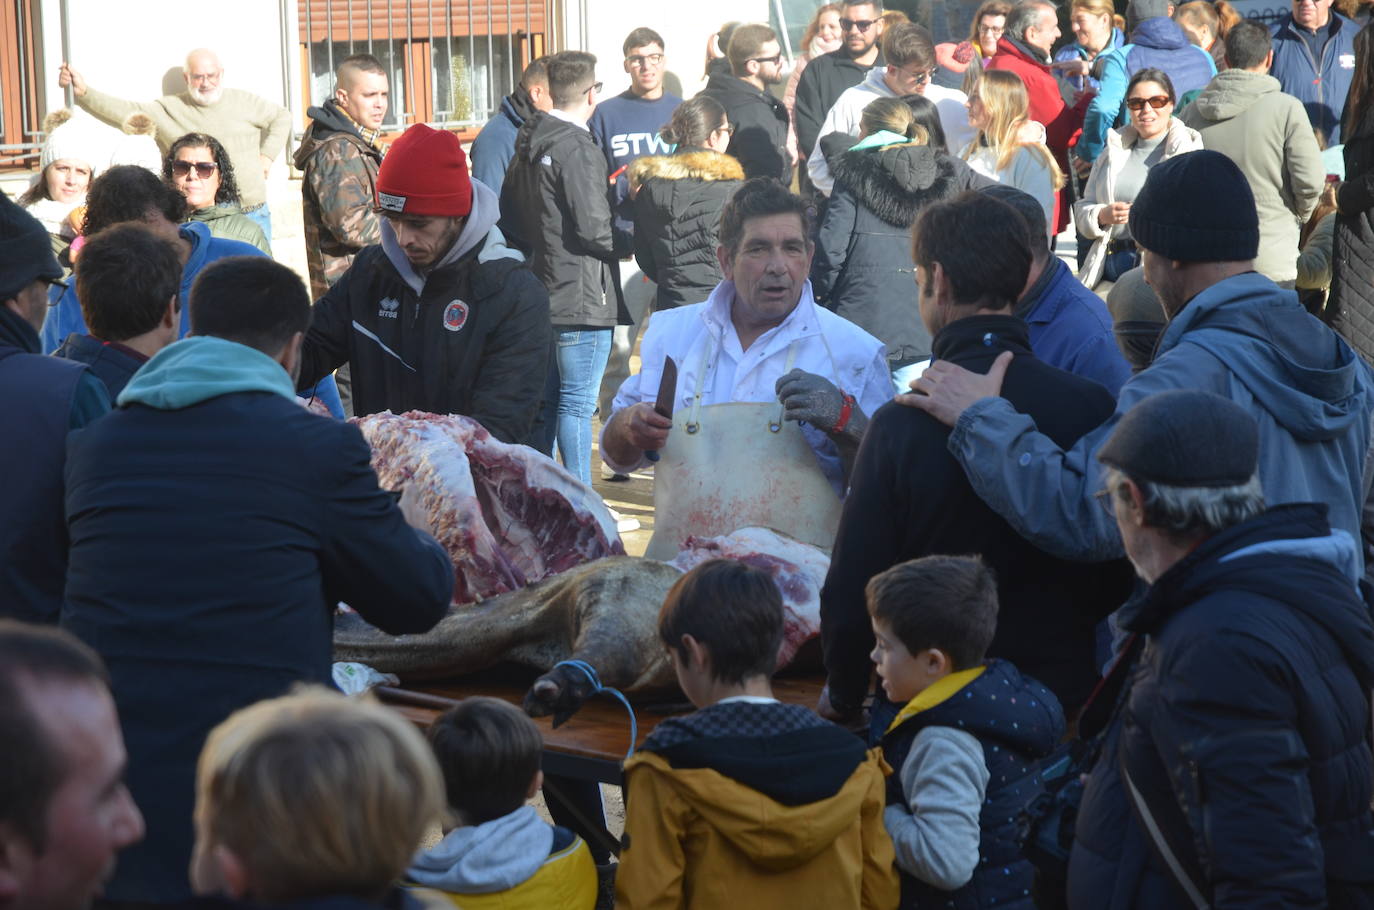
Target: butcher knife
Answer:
[[667, 392]]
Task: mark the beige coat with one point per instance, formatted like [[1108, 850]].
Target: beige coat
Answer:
[[1247, 117]]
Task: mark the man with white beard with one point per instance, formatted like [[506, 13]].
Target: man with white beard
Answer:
[[252, 129]]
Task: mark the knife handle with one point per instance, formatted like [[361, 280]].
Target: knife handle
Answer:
[[652, 455]]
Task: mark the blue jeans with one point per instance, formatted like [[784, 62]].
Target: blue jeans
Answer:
[[262, 216], [570, 396]]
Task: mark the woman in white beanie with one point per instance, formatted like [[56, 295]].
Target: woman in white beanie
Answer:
[[73, 155]]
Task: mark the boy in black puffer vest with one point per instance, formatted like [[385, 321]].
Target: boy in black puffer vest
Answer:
[[967, 743]]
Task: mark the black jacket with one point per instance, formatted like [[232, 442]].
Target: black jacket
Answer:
[[862, 268], [112, 364], [554, 207], [209, 547], [820, 85], [41, 399], [909, 498], [1352, 277], [1248, 728], [474, 340], [677, 213], [759, 142]]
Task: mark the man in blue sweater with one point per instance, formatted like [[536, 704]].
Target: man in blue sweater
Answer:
[[1314, 61], [627, 127], [494, 146]]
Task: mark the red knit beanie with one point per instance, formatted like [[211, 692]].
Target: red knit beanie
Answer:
[[425, 173]]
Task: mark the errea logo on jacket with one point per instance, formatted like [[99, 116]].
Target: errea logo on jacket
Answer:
[[388, 309]]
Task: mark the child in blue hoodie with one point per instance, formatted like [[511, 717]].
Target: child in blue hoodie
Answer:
[[968, 742], [501, 855]]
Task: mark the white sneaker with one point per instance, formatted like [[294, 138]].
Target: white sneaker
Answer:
[[624, 524]]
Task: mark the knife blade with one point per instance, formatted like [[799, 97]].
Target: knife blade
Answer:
[[667, 395]]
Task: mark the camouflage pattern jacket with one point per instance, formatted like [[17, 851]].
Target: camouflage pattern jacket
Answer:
[[337, 194]]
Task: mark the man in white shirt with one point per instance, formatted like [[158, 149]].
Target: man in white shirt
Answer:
[[910, 62], [759, 337]]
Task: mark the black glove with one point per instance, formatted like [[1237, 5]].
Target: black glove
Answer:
[[815, 400]]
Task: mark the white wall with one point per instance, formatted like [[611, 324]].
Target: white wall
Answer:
[[126, 47]]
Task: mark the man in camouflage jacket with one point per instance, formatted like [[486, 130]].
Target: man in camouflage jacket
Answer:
[[339, 157]]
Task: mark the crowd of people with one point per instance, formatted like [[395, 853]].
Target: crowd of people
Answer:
[[1096, 627]]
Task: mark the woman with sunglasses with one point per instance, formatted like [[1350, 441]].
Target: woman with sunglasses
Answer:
[[198, 167], [1152, 136], [1009, 147], [677, 203]]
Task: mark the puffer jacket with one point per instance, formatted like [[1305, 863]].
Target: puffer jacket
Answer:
[[862, 268], [759, 142], [677, 204], [763, 806], [1247, 730], [470, 337], [1156, 42], [554, 207], [1321, 85], [1352, 279], [1248, 118], [1017, 722], [338, 190], [229, 222]]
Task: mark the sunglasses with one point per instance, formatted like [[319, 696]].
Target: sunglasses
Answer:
[[1157, 102], [862, 25], [595, 87], [204, 169], [920, 78]]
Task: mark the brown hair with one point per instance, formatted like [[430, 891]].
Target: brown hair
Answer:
[[125, 277], [641, 37], [745, 44], [733, 610], [570, 75], [488, 752], [759, 197], [895, 116], [814, 27], [693, 121], [982, 243], [989, 8], [944, 602], [32, 767], [907, 43], [316, 794]]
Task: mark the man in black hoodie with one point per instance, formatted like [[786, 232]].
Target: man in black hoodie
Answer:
[[339, 158], [827, 77], [972, 257], [759, 141]]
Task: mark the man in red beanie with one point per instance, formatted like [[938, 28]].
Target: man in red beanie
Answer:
[[441, 316]]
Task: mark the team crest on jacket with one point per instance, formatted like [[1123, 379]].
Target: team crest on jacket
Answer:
[[388, 308], [455, 315]]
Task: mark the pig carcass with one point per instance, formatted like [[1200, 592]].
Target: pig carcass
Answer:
[[604, 613], [508, 515]]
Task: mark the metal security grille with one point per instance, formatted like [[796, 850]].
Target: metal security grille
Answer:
[[21, 90], [449, 62]]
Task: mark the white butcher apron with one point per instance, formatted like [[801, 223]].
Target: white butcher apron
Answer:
[[738, 465]]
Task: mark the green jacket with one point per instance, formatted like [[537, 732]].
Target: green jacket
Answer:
[[229, 222]]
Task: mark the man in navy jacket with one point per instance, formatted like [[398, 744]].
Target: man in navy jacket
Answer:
[[215, 524], [1314, 61]]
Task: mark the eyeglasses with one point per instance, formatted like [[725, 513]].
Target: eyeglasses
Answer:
[[204, 169], [862, 25], [1157, 102], [1107, 500], [920, 78], [727, 129], [645, 60], [776, 58]]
